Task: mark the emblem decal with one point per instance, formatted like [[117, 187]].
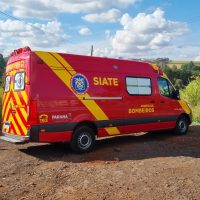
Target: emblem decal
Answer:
[[43, 118], [79, 83]]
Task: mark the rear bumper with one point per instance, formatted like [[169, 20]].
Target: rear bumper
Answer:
[[16, 139], [42, 133]]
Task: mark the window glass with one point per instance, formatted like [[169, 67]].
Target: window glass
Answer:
[[7, 83], [19, 81], [138, 86], [171, 89], [163, 87]]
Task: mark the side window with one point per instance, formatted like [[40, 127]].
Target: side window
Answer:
[[7, 84], [171, 89], [165, 87], [19, 81], [138, 86]]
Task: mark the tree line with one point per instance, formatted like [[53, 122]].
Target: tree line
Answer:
[[184, 75], [2, 67]]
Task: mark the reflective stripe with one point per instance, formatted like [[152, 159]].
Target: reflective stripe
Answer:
[[14, 110], [185, 106], [55, 60]]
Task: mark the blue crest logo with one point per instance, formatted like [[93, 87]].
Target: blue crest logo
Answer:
[[79, 83]]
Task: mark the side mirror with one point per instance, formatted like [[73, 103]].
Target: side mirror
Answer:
[[176, 94]]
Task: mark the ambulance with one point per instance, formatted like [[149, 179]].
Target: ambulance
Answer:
[[55, 97]]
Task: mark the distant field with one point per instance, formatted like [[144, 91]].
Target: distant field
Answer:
[[178, 64], [183, 62]]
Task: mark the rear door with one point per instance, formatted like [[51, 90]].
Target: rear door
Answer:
[[15, 99]]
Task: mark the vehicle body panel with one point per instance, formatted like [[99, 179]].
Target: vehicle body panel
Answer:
[[63, 90]]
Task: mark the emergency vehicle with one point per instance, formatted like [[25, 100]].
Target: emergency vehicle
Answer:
[[56, 97]]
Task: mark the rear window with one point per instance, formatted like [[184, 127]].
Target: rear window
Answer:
[[7, 84], [19, 81]]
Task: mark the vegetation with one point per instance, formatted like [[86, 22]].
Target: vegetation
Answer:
[[183, 76], [187, 79], [192, 95], [2, 67]]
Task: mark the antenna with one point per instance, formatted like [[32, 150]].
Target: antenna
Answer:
[[92, 50]]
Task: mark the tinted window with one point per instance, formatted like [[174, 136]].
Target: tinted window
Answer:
[[138, 86], [165, 87]]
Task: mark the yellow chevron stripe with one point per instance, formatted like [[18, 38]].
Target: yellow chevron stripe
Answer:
[[23, 111], [185, 106], [7, 109], [18, 102], [20, 123], [14, 124], [65, 63], [25, 97], [10, 102], [65, 76], [6, 96]]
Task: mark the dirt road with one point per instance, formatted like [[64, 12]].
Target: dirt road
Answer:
[[158, 166]]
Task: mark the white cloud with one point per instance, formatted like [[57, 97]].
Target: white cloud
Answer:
[[110, 16], [16, 33], [197, 58], [85, 31], [48, 8], [146, 32]]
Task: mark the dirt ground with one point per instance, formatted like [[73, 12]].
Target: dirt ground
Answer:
[[157, 166]]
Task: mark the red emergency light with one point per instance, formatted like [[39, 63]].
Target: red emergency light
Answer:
[[19, 51]]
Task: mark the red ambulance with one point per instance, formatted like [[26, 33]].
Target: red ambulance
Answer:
[[56, 97]]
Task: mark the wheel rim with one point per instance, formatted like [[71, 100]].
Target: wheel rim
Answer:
[[84, 141], [182, 126]]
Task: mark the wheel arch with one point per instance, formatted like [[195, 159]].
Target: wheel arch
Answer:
[[188, 117], [88, 123]]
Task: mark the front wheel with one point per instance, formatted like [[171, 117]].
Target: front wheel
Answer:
[[182, 125], [83, 139]]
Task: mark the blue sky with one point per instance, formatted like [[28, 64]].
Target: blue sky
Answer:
[[116, 28]]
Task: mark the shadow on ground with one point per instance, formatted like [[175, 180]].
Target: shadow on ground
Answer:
[[124, 148]]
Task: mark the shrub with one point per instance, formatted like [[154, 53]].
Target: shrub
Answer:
[[192, 95]]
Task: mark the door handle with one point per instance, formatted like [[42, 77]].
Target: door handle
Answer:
[[162, 102]]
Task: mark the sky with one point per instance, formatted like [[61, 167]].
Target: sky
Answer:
[[132, 29]]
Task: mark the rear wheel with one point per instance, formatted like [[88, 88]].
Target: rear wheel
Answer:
[[83, 139], [182, 125]]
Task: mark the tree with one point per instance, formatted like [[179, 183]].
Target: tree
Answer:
[[2, 67], [183, 76]]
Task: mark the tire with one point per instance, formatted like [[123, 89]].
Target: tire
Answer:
[[182, 125], [83, 139]]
